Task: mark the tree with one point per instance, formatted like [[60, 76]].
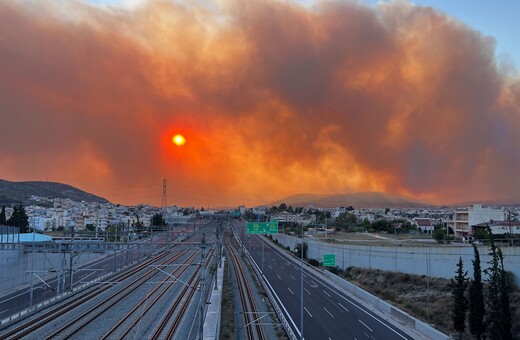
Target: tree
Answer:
[[298, 250], [382, 225], [460, 303], [498, 319], [19, 219], [346, 220], [476, 299], [3, 218], [438, 235], [506, 285], [158, 220], [282, 207]]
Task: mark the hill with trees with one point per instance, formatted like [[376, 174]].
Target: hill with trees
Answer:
[[14, 193]]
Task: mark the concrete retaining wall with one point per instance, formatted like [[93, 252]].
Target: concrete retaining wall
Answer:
[[431, 260]]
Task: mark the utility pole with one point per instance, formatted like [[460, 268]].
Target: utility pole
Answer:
[[202, 268], [97, 219], [301, 290], [71, 280]]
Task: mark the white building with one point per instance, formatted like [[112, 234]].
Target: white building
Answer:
[[464, 219], [500, 227], [285, 217], [425, 224]]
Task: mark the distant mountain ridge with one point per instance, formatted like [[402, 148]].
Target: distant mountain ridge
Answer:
[[21, 192], [357, 200]]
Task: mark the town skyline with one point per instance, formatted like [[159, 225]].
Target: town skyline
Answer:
[[272, 99]]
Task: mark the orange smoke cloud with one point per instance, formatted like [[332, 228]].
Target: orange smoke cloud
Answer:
[[273, 99]]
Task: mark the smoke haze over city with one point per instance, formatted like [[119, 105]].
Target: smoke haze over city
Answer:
[[273, 98]]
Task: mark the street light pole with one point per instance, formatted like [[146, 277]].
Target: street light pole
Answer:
[[301, 290], [202, 268]]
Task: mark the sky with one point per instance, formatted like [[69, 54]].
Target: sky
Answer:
[[420, 100]]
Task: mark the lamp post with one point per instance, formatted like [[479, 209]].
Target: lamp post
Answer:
[[301, 290]]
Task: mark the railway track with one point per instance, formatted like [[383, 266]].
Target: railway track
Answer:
[[29, 326], [171, 320], [253, 328], [78, 323], [91, 317]]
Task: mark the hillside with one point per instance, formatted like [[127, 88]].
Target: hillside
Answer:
[[21, 192], [357, 200]]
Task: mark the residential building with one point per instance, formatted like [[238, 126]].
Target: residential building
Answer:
[[425, 224], [464, 219]]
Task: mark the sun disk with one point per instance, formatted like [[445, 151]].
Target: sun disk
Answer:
[[179, 140]]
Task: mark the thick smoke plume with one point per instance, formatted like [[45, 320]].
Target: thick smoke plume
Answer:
[[273, 98]]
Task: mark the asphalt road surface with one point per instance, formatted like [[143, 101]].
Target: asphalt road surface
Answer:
[[328, 313]]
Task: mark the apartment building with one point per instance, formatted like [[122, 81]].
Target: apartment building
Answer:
[[464, 219]]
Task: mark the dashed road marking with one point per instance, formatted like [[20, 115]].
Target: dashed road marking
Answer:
[[307, 291], [328, 312], [308, 312], [278, 276], [345, 308], [364, 324], [326, 293], [292, 277], [290, 290]]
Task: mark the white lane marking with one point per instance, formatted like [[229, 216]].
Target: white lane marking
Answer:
[[307, 311], [375, 317], [307, 291], [364, 324], [290, 290], [326, 293], [328, 312], [278, 276], [345, 308], [282, 267], [292, 277], [270, 267]]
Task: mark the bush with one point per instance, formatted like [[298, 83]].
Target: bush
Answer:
[[314, 262], [438, 235]]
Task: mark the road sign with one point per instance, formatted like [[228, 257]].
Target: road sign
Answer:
[[262, 227], [329, 260]]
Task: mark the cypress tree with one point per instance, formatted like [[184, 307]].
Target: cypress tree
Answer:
[[19, 219], [505, 289], [460, 303], [476, 306], [3, 218], [494, 304]]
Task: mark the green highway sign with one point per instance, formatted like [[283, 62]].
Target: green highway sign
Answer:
[[329, 260], [262, 227]]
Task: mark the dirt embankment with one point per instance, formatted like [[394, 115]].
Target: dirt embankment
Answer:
[[428, 299]]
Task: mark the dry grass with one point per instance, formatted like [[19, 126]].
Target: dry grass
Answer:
[[410, 293]]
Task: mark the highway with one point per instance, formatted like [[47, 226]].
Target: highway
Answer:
[[328, 313]]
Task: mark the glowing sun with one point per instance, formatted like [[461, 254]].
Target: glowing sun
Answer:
[[179, 140]]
